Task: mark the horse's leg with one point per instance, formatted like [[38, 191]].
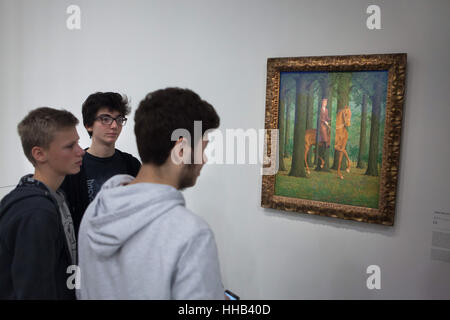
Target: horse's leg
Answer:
[[339, 165], [322, 162], [348, 161], [306, 160]]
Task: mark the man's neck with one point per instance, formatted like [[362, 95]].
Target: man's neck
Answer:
[[50, 179], [153, 174], [101, 150]]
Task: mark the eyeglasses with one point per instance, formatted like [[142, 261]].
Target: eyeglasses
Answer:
[[108, 120]]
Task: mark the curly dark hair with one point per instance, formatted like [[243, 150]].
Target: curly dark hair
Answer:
[[111, 100], [163, 111]]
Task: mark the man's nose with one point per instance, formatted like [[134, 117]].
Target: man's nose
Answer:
[[114, 124], [81, 151]]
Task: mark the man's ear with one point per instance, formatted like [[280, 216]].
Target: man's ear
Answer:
[[39, 154], [89, 129], [181, 152]]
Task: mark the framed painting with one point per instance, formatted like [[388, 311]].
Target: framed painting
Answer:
[[339, 121]]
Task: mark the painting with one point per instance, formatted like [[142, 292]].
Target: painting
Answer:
[[339, 121]]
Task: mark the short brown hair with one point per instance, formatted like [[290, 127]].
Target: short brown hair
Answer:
[[37, 129]]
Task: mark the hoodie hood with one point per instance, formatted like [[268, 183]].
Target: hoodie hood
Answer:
[[26, 188], [120, 210]]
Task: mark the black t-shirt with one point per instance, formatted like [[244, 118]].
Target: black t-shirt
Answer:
[[99, 170]]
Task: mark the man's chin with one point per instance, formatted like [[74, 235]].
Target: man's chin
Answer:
[[75, 170], [187, 184], [111, 139]]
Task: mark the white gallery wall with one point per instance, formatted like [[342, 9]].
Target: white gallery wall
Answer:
[[220, 49]]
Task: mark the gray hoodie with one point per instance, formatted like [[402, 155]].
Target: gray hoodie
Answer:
[[140, 242]]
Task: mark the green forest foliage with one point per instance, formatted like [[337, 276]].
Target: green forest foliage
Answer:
[[355, 101], [360, 186]]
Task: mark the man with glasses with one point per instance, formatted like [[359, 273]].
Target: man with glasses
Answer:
[[103, 117]]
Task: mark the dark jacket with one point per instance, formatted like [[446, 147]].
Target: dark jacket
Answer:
[[76, 189], [33, 250]]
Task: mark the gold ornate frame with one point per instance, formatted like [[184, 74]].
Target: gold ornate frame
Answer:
[[395, 64]]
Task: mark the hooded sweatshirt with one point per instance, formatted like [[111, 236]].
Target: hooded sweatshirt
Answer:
[[34, 253], [140, 242]]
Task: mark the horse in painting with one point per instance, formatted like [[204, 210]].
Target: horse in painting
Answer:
[[310, 140], [343, 118]]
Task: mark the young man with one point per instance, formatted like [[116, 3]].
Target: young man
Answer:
[[37, 239], [137, 238], [103, 117]]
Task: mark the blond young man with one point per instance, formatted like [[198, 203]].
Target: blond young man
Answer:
[[37, 239]]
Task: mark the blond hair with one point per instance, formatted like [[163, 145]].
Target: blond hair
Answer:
[[37, 129]]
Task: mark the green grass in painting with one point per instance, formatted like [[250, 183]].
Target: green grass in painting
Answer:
[[356, 189]]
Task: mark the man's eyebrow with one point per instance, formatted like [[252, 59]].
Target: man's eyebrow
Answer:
[[72, 142], [110, 115]]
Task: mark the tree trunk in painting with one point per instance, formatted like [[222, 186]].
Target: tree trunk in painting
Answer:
[[362, 134], [298, 168], [287, 126], [343, 94], [320, 150], [326, 166], [310, 118], [372, 166], [282, 130], [316, 150]]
